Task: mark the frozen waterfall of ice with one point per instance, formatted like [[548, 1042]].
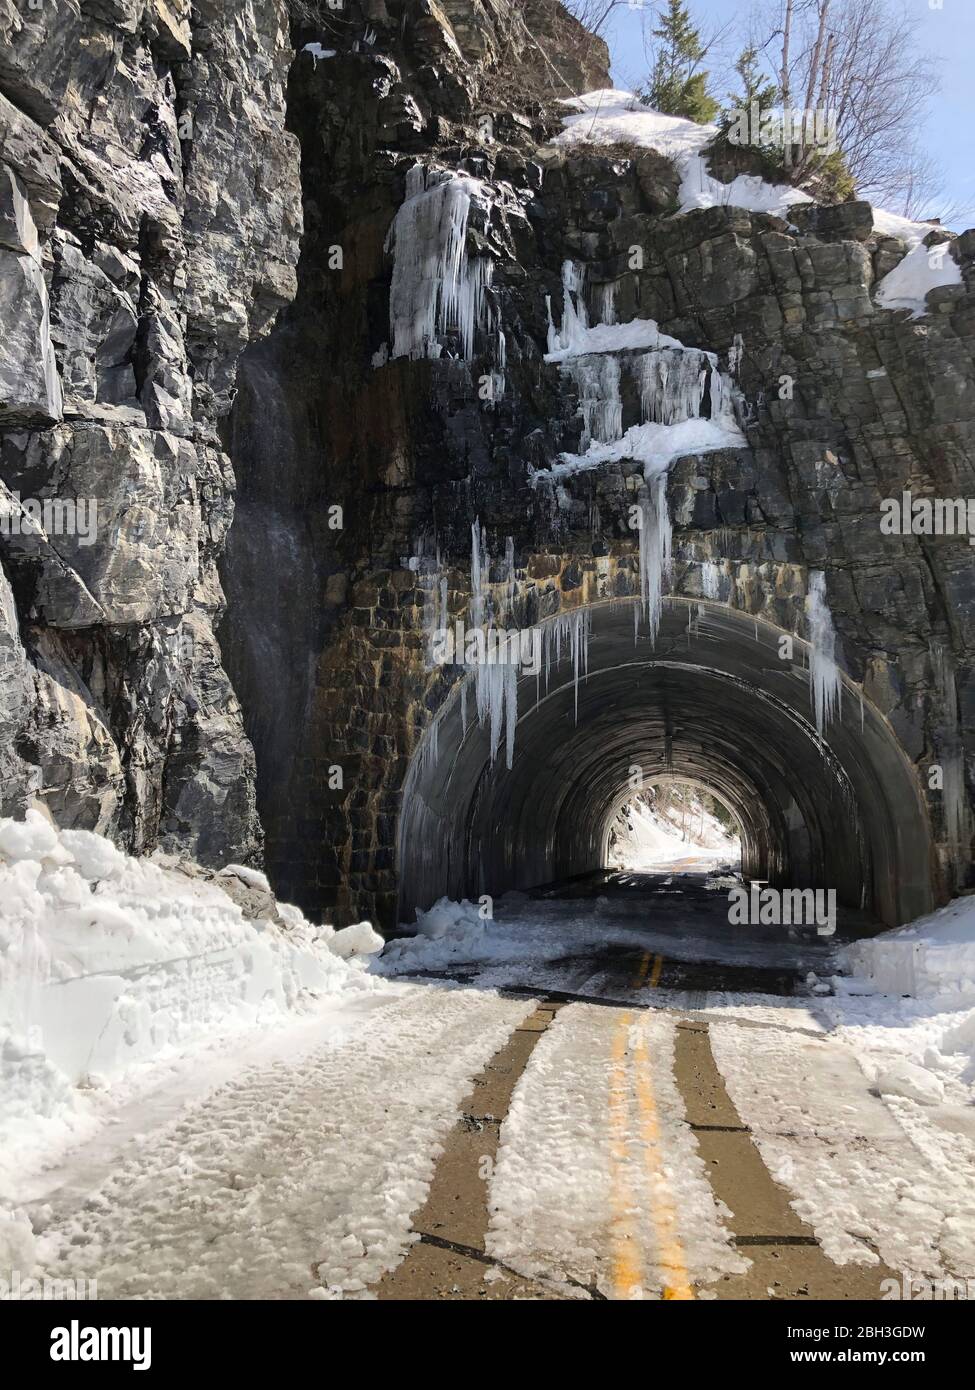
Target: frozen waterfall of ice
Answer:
[[824, 674], [436, 287]]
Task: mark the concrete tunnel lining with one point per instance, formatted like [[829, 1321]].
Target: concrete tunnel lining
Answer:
[[710, 701]]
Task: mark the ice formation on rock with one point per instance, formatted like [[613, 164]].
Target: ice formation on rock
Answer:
[[824, 674], [655, 548], [436, 287]]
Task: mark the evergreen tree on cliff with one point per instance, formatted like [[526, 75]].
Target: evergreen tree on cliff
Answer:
[[676, 86]]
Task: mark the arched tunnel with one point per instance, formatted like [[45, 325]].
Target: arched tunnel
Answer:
[[710, 701]]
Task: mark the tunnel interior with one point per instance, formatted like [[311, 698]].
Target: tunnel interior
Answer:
[[710, 701]]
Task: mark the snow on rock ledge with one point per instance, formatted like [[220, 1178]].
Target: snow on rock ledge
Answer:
[[107, 961]]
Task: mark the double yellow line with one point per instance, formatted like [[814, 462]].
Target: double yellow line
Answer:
[[627, 1270]]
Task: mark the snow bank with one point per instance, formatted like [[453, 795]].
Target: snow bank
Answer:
[[931, 957], [579, 341], [644, 838], [612, 117], [446, 933], [108, 961], [923, 269]]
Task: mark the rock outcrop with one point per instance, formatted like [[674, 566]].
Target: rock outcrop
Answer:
[[149, 229]]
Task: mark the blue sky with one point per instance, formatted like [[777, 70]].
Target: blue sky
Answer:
[[948, 33]]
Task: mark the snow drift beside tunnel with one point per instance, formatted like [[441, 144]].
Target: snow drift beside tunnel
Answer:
[[107, 962], [932, 957]]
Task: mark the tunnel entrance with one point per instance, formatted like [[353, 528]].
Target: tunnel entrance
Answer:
[[710, 702], [672, 824]]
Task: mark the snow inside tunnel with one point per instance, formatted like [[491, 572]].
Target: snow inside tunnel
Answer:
[[709, 702]]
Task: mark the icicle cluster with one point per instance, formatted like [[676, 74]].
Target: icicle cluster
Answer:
[[575, 316], [436, 287], [495, 685], [569, 632], [824, 674]]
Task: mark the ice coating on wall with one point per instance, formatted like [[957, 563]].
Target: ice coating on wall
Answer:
[[686, 405], [824, 674], [676, 385], [597, 382], [710, 579], [436, 287]]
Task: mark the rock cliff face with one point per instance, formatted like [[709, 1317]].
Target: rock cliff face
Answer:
[[376, 418], [149, 227]]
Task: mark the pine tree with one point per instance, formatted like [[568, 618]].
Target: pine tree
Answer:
[[676, 87], [747, 108], [754, 87]]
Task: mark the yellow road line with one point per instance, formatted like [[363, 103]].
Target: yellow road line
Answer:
[[644, 967], [626, 1272], [670, 1252]]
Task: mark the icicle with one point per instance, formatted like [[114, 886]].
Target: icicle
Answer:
[[575, 319], [710, 579], [656, 534], [436, 287], [824, 674], [672, 382], [607, 302], [735, 354]]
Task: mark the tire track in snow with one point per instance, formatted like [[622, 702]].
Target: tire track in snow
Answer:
[[292, 1180]]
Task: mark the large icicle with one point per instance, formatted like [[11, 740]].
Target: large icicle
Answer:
[[824, 674], [575, 317], [495, 681], [656, 540], [436, 287]]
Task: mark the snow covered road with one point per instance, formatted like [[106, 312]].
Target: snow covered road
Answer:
[[686, 1117]]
